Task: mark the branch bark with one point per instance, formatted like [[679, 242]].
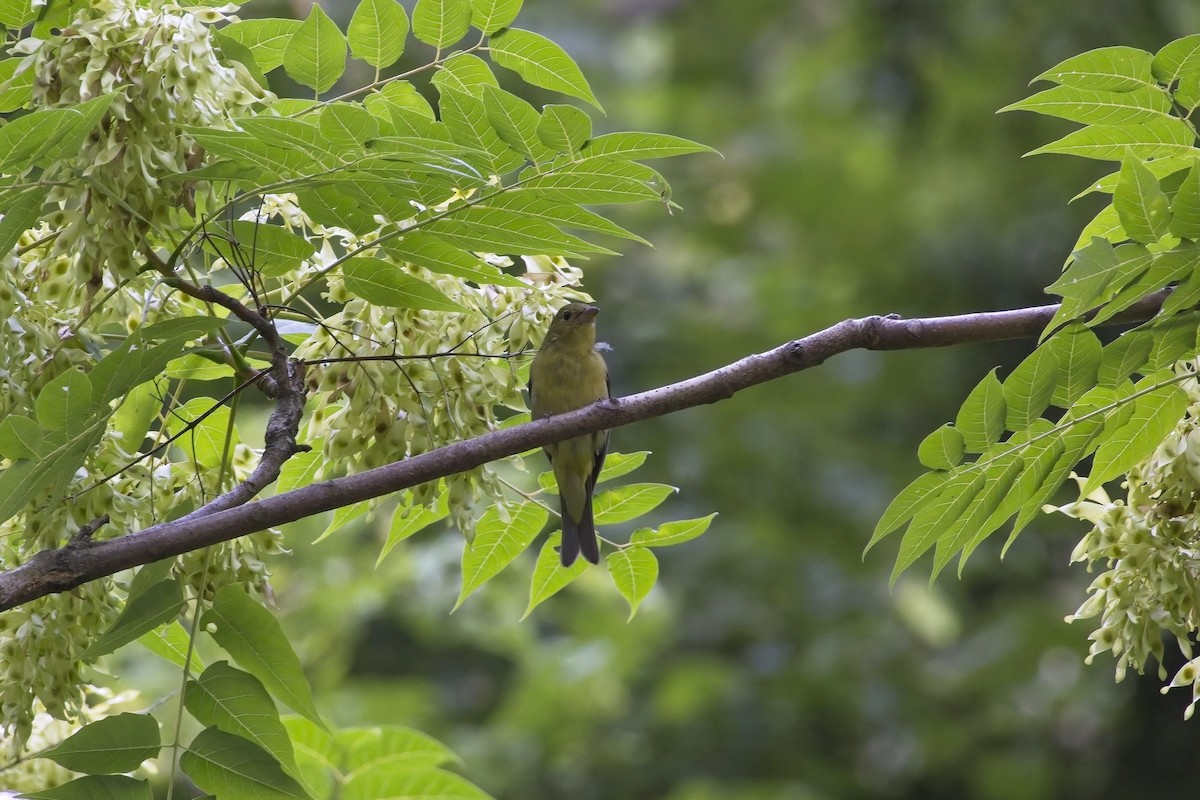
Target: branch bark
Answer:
[[64, 568]]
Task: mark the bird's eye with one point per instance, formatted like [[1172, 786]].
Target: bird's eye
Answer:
[[566, 315]]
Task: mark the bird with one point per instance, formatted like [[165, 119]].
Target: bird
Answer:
[[567, 373]]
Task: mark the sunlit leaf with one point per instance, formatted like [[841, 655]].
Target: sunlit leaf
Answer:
[[540, 62], [251, 634], [634, 570], [315, 56]]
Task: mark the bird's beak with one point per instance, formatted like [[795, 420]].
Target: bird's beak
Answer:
[[590, 311]]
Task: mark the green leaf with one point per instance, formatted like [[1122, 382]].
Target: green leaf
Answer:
[[540, 62], [65, 402], [408, 520], [404, 784], [272, 249], [238, 703], [249, 152], [935, 518], [299, 470], [1112, 69], [465, 73], [593, 181], [16, 14], [549, 575], [641, 146], [316, 755], [568, 216], [1141, 205], [942, 449], [999, 477], [135, 361], [1095, 274], [494, 230], [1163, 138], [490, 16], [16, 85], [1123, 356], [1187, 294], [1185, 207], [300, 135], [348, 124], [516, 122], [1187, 92], [1028, 389], [1155, 414], [1162, 168], [23, 481], [1077, 443], [1174, 338], [436, 255], [630, 502], [390, 748], [158, 605], [20, 215], [403, 95], [1177, 58], [316, 54], [1079, 353], [1117, 109], [267, 39], [209, 434], [377, 32], [384, 284], [341, 517], [670, 533], [225, 765], [233, 51], [108, 746], [617, 465], [1087, 275], [251, 634], [1105, 225], [564, 129], [46, 135], [132, 420], [1167, 267], [503, 533], [20, 437], [441, 23], [981, 418], [910, 500], [634, 570], [170, 643], [1039, 449], [96, 787], [195, 367], [466, 118]]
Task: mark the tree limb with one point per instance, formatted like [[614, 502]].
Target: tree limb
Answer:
[[66, 567]]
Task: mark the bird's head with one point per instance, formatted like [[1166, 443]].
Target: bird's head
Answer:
[[574, 323]]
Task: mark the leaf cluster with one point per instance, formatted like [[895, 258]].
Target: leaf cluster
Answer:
[[1015, 441]]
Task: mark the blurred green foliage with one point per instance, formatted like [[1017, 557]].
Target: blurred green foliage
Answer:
[[864, 172]]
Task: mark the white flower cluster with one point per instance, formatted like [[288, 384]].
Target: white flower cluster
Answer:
[[158, 64], [1150, 544]]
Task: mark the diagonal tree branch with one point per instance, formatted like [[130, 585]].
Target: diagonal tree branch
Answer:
[[64, 568]]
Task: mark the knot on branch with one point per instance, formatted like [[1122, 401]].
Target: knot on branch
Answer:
[[888, 331]]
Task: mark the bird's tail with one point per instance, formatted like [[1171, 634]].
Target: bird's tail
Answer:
[[579, 537]]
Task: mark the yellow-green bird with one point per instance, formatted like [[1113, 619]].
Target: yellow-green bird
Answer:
[[569, 373]]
